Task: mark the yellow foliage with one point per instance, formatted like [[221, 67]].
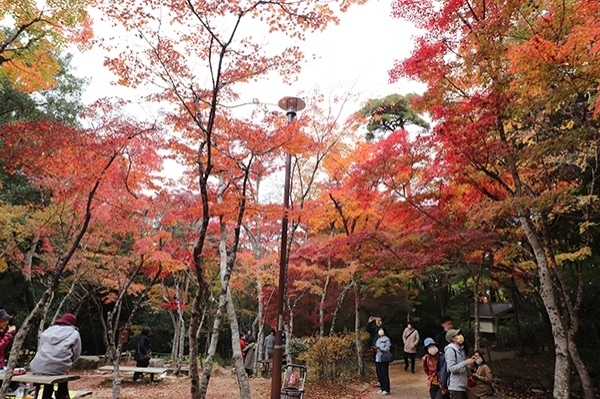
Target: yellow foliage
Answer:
[[581, 254], [3, 265]]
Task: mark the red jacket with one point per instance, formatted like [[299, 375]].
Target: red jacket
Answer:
[[430, 368], [242, 347], [5, 339]]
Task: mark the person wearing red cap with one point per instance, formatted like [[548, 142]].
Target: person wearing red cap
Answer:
[[6, 334], [60, 347]]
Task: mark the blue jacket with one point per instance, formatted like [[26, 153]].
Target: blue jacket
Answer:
[[384, 344]]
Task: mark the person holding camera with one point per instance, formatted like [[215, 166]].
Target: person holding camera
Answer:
[[6, 334], [481, 379], [457, 364]]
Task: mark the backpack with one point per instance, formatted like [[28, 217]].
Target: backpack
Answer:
[[443, 373]]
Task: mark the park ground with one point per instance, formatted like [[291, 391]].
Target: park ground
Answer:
[[404, 385]]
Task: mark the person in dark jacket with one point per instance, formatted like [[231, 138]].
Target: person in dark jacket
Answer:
[[60, 347], [142, 352], [373, 326], [440, 339], [6, 334]]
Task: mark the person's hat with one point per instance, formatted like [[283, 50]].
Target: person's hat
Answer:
[[4, 315], [429, 341], [68, 319], [451, 334]]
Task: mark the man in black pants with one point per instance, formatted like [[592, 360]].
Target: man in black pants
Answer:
[[142, 352]]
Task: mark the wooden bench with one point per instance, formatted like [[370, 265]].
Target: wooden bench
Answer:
[[131, 369], [50, 380]]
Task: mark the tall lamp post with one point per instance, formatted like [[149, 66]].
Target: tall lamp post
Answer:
[[290, 105]]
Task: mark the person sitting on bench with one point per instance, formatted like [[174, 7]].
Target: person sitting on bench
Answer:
[[60, 347]]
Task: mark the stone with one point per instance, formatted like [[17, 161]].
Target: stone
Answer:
[[157, 362], [87, 363]]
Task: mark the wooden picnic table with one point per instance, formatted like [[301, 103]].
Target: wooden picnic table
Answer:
[[37, 380], [132, 369]]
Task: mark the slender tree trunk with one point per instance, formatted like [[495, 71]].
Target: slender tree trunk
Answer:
[[240, 371], [69, 293], [338, 307], [289, 333], [573, 316], [223, 297], [476, 277], [42, 320], [193, 343], [212, 347], [260, 316], [100, 309], [235, 331], [584, 376], [174, 320], [561, 348], [28, 262], [176, 333], [226, 266], [516, 309], [181, 344], [357, 330], [322, 303]]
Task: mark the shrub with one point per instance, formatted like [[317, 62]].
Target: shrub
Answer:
[[330, 357], [298, 346]]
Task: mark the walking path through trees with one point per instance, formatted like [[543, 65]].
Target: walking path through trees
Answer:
[[404, 384]]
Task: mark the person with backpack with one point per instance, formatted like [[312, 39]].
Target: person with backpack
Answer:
[[457, 365], [430, 367], [411, 339], [444, 376]]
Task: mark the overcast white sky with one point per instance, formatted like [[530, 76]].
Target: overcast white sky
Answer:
[[354, 55]]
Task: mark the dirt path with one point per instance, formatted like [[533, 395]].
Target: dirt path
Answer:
[[404, 384]]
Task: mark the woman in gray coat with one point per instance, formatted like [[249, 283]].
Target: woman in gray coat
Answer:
[[60, 347]]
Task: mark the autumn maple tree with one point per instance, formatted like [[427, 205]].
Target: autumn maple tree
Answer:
[[31, 36], [211, 34], [82, 170], [512, 89]]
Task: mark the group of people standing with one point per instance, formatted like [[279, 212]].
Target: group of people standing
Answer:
[[450, 373], [248, 347]]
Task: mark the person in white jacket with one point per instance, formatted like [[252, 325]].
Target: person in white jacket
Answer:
[[411, 339], [60, 347]]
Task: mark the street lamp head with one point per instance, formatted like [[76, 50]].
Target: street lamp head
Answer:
[[291, 105]]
